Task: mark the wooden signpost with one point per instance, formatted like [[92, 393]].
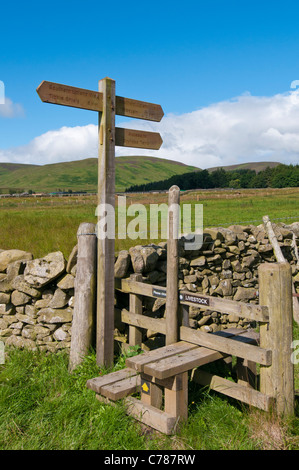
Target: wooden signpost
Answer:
[[107, 104]]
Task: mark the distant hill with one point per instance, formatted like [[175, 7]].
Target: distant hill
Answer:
[[235, 176], [256, 166], [82, 175]]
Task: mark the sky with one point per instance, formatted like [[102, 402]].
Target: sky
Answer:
[[224, 72]]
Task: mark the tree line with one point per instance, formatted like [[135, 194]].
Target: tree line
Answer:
[[281, 176]]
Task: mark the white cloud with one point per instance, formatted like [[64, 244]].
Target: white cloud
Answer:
[[8, 109], [65, 144], [246, 128]]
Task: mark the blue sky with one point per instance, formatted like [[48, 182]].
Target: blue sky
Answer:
[[221, 71]]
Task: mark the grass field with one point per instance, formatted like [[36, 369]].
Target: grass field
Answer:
[[42, 225], [42, 406]]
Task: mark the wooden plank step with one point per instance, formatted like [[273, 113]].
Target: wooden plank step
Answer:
[[151, 416], [121, 388], [97, 383], [138, 362], [174, 365]]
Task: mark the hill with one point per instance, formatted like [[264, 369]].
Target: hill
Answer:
[[82, 175], [256, 166], [279, 176]]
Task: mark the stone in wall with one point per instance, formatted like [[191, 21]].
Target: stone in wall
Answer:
[[9, 256], [42, 271]]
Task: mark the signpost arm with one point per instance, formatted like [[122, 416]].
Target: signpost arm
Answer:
[[106, 245]]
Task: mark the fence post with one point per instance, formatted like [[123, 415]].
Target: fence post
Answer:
[[172, 293], [83, 325], [275, 292]]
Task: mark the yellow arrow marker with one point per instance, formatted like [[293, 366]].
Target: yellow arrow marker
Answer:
[[145, 388]]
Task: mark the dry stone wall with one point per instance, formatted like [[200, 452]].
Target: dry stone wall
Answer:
[[37, 295], [36, 299]]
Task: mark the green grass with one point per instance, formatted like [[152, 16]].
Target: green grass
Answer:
[[44, 407], [43, 225]]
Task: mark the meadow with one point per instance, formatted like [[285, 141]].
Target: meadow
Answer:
[[43, 407], [45, 224]]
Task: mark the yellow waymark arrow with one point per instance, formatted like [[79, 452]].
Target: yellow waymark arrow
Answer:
[[145, 388]]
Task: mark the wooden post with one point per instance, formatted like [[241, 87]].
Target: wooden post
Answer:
[[106, 245], [246, 372], [275, 291], [135, 306], [281, 259], [172, 294], [83, 326], [151, 393], [176, 401]]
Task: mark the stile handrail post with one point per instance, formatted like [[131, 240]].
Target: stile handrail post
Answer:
[[275, 291]]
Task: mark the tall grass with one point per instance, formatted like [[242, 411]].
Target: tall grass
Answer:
[[44, 407], [45, 225]]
